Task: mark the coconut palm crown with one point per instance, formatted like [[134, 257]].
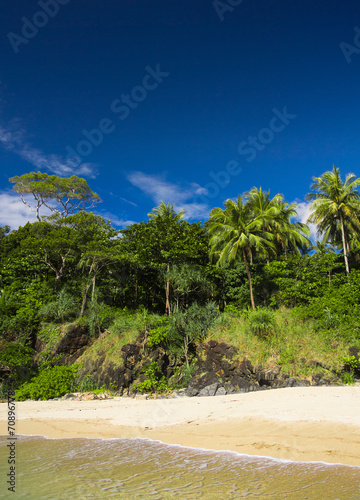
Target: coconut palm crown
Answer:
[[237, 232], [335, 208]]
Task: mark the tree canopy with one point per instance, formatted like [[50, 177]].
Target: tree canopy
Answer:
[[62, 196], [335, 209]]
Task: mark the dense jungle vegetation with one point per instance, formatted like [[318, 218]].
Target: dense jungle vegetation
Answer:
[[249, 276]]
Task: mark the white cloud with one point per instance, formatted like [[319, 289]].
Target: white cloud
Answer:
[[194, 210], [127, 201], [159, 190], [303, 210], [13, 212], [115, 220], [13, 138]]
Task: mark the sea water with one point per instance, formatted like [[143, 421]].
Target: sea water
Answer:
[[142, 469]]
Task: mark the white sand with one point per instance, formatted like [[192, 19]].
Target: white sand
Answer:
[[312, 423]]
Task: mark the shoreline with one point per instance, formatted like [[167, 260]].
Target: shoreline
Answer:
[[308, 424]]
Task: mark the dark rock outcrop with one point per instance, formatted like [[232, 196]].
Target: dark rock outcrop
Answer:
[[218, 371]]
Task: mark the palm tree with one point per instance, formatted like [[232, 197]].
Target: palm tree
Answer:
[[291, 236], [165, 212], [236, 233], [276, 216], [262, 208], [335, 207]]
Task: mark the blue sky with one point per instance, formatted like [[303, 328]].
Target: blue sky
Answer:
[[186, 101]]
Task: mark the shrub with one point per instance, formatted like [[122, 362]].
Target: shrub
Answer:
[[159, 333], [19, 358], [262, 322], [155, 381], [232, 310], [64, 307], [50, 383], [348, 378]]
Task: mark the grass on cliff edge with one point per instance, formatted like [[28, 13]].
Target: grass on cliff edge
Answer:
[[291, 343]]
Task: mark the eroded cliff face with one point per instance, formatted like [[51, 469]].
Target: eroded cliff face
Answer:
[[219, 368]]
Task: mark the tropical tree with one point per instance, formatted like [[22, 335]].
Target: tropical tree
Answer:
[[186, 280], [3, 231], [62, 196], [335, 208], [96, 246], [163, 216], [165, 212], [276, 215], [161, 242], [237, 232], [290, 235]]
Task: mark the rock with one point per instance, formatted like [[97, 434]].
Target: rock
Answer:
[[241, 385], [73, 344], [69, 396], [210, 390], [354, 351], [229, 388], [266, 377], [315, 379], [5, 372], [192, 392], [198, 383], [221, 392]]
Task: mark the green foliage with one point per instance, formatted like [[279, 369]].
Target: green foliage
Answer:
[[86, 384], [50, 383], [16, 355], [329, 319], [262, 322], [3, 231], [232, 310], [188, 283], [193, 323], [158, 335], [19, 359], [19, 306], [49, 334], [191, 326], [288, 355], [351, 363], [61, 195], [335, 207], [154, 382], [61, 309], [348, 378]]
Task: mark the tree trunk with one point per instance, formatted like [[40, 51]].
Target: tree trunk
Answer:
[[344, 244], [249, 278], [84, 299], [186, 350], [167, 296], [88, 284], [136, 293], [93, 288]]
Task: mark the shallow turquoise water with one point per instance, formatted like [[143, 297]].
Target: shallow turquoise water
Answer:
[[141, 469]]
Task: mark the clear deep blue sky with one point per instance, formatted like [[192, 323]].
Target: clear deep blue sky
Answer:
[[225, 76]]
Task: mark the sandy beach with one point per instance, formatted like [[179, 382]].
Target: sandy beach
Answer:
[[307, 424]]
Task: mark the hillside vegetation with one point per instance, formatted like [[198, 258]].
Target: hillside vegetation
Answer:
[[84, 306]]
